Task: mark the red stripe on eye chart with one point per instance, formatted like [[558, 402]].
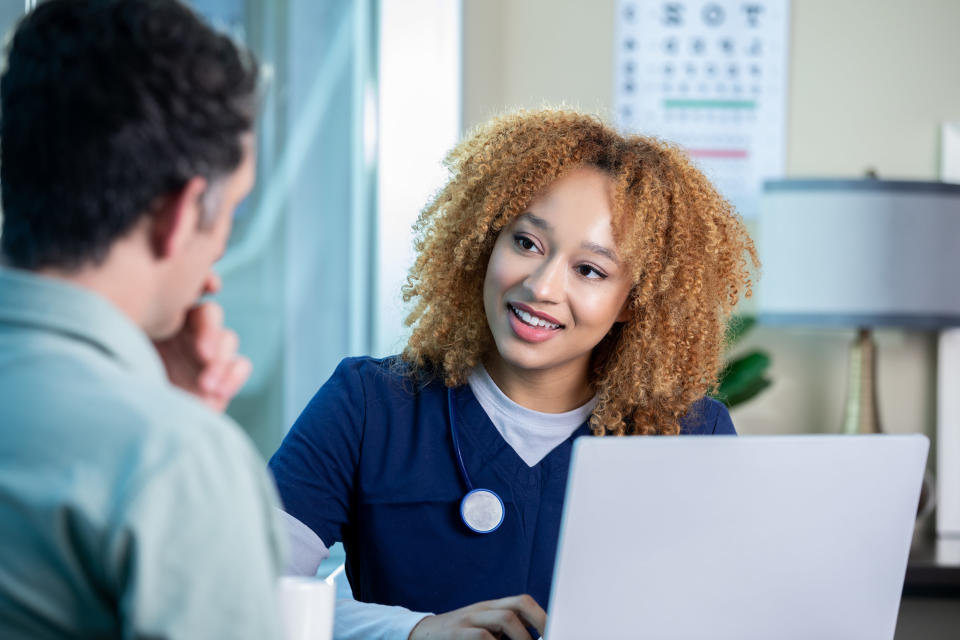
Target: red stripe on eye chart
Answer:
[[718, 153]]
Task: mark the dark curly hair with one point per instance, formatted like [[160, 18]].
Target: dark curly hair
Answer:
[[685, 247], [106, 106]]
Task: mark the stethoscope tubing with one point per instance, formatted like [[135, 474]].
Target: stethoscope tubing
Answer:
[[456, 441]]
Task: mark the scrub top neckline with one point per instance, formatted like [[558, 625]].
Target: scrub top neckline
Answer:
[[482, 436]]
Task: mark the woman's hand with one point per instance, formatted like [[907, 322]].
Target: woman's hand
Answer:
[[503, 618]]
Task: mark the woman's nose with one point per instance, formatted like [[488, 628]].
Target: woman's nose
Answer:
[[547, 282]]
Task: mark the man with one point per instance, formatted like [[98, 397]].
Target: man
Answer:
[[127, 507]]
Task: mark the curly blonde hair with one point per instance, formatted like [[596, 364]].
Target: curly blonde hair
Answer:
[[685, 247]]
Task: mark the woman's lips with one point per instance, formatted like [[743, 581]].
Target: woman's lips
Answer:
[[528, 332], [534, 312]]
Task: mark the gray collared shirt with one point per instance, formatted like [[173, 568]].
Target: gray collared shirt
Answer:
[[127, 509]]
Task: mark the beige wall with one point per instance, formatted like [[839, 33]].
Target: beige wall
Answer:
[[531, 53], [870, 82]]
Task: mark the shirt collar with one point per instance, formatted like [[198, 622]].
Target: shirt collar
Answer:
[[57, 306], [495, 401]]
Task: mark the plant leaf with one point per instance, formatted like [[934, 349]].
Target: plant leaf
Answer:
[[747, 392], [741, 374]]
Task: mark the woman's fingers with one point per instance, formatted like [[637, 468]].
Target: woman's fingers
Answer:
[[503, 618], [526, 608], [505, 622]]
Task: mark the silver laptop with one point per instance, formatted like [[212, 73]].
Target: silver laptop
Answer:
[[736, 537]]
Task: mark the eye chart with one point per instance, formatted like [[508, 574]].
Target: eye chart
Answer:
[[711, 76]]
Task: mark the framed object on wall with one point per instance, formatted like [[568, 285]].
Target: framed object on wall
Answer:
[[710, 75], [948, 377]]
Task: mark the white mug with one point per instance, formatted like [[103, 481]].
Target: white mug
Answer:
[[306, 607]]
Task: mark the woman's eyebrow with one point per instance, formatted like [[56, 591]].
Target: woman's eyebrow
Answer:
[[593, 247], [536, 221]]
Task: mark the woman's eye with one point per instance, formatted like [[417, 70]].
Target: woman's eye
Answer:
[[525, 243], [587, 271]]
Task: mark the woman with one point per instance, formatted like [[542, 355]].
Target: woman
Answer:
[[569, 281]]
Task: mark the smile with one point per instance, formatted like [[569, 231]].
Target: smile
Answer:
[[533, 320]]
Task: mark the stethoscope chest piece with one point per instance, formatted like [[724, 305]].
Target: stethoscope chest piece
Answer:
[[482, 511]]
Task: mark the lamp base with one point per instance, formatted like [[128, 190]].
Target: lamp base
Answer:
[[861, 414]]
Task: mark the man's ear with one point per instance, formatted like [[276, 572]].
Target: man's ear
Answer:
[[176, 218]]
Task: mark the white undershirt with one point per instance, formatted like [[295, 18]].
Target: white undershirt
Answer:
[[532, 434]]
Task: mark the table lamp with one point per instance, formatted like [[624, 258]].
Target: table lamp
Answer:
[[860, 253]]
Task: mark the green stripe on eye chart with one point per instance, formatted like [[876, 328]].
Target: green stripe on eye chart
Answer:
[[709, 104]]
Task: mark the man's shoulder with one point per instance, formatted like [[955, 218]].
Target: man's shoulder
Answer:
[[169, 413], [117, 450], [93, 411], [189, 444], [158, 411], [176, 428]]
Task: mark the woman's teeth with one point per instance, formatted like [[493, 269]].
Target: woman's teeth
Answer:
[[533, 320]]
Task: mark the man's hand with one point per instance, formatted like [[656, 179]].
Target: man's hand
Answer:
[[503, 618], [202, 357]]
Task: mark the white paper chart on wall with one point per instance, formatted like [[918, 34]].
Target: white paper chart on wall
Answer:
[[710, 75]]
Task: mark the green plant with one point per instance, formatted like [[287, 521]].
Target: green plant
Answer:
[[744, 376]]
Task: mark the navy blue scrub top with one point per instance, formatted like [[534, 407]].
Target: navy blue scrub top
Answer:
[[370, 462]]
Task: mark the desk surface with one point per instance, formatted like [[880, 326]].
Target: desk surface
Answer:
[[933, 569]]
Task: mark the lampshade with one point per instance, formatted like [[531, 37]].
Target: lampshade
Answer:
[[861, 253]]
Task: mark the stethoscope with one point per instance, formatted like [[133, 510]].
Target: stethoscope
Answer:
[[481, 509]]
